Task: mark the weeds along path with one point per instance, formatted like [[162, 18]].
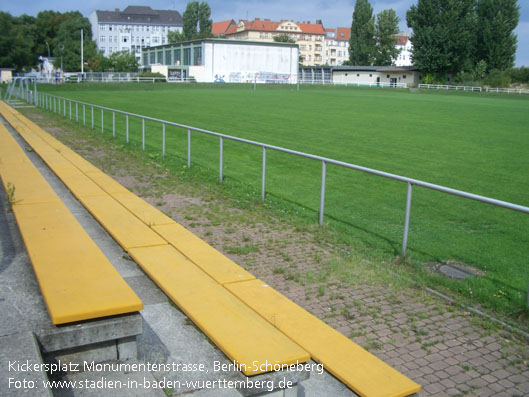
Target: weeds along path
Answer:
[[445, 349]]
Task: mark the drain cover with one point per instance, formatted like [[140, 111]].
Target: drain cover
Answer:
[[455, 271]]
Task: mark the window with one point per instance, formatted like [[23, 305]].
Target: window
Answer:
[[187, 56], [159, 57], [110, 39], [176, 56], [125, 39], [197, 56], [404, 76], [163, 40], [110, 27], [358, 75], [103, 49], [370, 75], [102, 39], [102, 27], [152, 56], [387, 76], [168, 57], [110, 50]]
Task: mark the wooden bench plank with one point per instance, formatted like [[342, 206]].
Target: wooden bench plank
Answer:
[[106, 183], [78, 183], [148, 214], [77, 281], [236, 329], [126, 229], [357, 368], [30, 186], [214, 263]]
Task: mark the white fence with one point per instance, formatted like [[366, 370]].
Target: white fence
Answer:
[[450, 87], [381, 84], [508, 90]]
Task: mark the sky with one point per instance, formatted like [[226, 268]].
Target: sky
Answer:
[[333, 13]]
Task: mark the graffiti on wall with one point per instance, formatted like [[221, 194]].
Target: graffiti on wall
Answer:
[[259, 77]]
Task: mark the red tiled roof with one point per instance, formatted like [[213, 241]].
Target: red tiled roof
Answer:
[[343, 34], [271, 26], [402, 40], [221, 27]]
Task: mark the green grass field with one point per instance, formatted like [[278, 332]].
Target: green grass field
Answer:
[[473, 142]]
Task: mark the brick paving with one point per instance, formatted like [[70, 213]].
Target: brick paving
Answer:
[[445, 349]]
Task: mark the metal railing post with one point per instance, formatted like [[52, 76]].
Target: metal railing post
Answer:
[[188, 148], [76, 112], [92, 115], [406, 220], [84, 114], [70, 110], [220, 160], [263, 176], [102, 126], [113, 124], [64, 108], [127, 127], [142, 133], [322, 196], [163, 139]]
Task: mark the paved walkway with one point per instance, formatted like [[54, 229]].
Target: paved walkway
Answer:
[[445, 349]]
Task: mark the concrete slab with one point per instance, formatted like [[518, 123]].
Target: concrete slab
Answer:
[[20, 370]]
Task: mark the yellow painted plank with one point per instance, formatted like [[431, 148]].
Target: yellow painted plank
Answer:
[[77, 281], [30, 186], [55, 160], [360, 370], [11, 152], [126, 229], [142, 209], [78, 183], [214, 263], [236, 329], [108, 184], [79, 161]]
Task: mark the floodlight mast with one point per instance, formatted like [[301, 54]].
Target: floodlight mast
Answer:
[[82, 60]]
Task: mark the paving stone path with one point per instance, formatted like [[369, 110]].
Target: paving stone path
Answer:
[[442, 347]]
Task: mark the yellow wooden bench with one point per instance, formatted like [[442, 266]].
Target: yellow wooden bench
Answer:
[[354, 366], [76, 280]]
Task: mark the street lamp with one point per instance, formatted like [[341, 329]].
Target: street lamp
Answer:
[[61, 50], [47, 45]]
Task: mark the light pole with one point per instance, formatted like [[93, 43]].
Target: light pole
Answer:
[[47, 45], [61, 50], [82, 60]]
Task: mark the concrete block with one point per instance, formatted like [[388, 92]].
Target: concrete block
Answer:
[[127, 349], [90, 332], [77, 357]]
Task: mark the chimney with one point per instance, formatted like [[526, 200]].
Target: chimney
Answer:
[[117, 10], [257, 19], [319, 22]]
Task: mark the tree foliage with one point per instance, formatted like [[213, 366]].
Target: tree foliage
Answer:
[[175, 36], [443, 35], [17, 41], [362, 44], [386, 27], [496, 42], [197, 21], [283, 38]]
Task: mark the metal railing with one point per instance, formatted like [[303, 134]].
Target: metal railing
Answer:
[[381, 84], [59, 105], [450, 87]]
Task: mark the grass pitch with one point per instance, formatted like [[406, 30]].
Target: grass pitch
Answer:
[[473, 142]]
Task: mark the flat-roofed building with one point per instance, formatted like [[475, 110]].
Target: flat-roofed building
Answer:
[[132, 29], [222, 60]]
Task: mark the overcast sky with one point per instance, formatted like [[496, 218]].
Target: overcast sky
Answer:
[[333, 13]]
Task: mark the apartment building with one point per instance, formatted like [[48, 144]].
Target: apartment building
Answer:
[[132, 29], [310, 37], [405, 47], [336, 46]]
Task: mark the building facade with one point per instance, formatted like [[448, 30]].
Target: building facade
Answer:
[[310, 37], [221, 60], [134, 28], [405, 47], [336, 46]]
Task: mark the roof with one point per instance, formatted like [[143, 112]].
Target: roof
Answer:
[[140, 15], [343, 34], [378, 68], [402, 40], [272, 26], [221, 41], [221, 27]]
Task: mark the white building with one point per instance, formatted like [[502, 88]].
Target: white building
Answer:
[[132, 29], [336, 46], [405, 47], [221, 60]]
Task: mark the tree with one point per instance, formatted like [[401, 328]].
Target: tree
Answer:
[[283, 38], [496, 42], [362, 48], [386, 27], [190, 20], [123, 61], [69, 37], [204, 18], [17, 41], [197, 22], [443, 38], [175, 36]]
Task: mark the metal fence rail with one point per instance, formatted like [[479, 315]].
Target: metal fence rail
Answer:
[[508, 90], [53, 103]]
